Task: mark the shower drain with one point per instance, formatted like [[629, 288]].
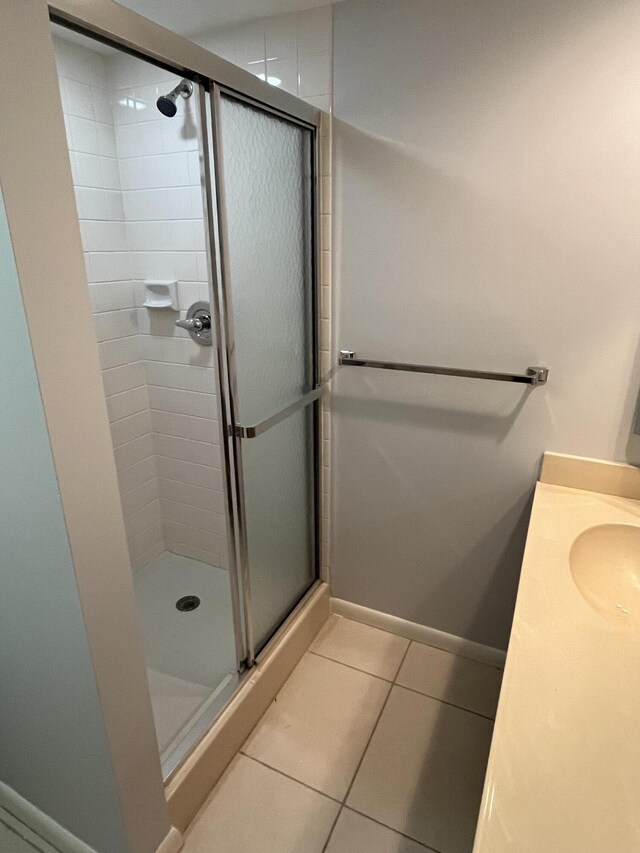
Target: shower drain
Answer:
[[188, 603]]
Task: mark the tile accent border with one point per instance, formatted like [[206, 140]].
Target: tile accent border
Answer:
[[591, 475], [419, 633], [193, 782]]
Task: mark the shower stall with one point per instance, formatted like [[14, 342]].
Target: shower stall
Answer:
[[197, 207]]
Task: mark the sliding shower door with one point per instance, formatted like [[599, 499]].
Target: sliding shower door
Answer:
[[265, 175]]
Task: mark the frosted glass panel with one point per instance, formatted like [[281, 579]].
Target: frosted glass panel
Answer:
[[278, 477], [267, 175], [267, 172]]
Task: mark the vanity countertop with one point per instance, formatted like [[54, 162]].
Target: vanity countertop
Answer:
[[564, 768]]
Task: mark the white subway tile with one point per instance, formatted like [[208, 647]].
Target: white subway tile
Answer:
[[187, 450], [314, 70], [191, 515], [101, 105], [187, 550], [143, 518], [314, 29], [127, 144], [281, 37], [145, 540], [107, 296], [198, 429], [250, 45], [104, 236], [77, 99], [190, 474], [126, 377], [325, 233], [127, 429], [149, 348], [283, 73], [141, 560], [110, 173], [127, 403], [188, 535], [115, 352], [115, 324], [84, 135], [182, 402], [134, 451], [150, 138], [181, 133], [136, 475], [92, 203], [140, 496], [182, 350]]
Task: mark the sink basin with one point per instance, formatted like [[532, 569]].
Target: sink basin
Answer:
[[605, 566]]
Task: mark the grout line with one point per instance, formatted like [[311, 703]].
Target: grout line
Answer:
[[397, 831], [286, 775], [139, 462], [333, 826], [182, 391], [406, 652], [349, 666], [375, 726], [444, 702]]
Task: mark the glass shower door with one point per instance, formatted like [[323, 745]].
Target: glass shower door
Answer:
[[265, 169]]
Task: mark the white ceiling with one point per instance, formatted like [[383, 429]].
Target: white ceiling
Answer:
[[189, 17]]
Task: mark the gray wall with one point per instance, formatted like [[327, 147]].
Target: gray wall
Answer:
[[53, 744], [486, 186]]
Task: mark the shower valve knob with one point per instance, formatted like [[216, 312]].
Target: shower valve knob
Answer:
[[198, 323], [195, 324]]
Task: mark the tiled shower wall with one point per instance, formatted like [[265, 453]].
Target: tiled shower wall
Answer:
[[291, 51], [137, 178], [137, 182]]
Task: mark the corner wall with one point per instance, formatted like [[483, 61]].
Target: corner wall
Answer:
[[486, 174]]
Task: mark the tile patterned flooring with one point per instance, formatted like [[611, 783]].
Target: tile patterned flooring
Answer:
[[375, 744]]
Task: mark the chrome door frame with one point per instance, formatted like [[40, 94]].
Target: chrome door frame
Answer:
[[108, 22]]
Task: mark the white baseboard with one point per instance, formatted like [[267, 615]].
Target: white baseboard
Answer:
[[172, 843], [419, 633], [41, 825]]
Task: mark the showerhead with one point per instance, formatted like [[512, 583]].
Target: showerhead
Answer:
[[167, 103]]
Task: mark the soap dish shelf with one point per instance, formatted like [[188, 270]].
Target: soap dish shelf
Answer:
[[161, 294]]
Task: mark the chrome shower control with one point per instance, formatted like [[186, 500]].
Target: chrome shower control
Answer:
[[198, 323]]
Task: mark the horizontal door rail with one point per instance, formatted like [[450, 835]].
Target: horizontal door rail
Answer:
[[283, 414], [534, 375]]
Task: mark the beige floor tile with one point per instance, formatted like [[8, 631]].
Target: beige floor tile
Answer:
[[255, 810], [460, 681], [423, 771], [369, 649], [317, 728], [355, 833]]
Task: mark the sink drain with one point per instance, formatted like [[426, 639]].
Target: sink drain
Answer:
[[188, 603]]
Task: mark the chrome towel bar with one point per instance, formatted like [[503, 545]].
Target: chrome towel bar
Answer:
[[533, 376]]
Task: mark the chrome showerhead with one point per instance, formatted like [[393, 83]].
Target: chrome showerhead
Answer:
[[167, 103]]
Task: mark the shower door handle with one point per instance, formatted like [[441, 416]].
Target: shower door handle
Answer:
[[263, 426]]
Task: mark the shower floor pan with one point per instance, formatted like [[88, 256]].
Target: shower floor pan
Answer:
[[190, 653]]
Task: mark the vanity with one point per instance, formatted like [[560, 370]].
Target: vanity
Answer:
[[564, 769]]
